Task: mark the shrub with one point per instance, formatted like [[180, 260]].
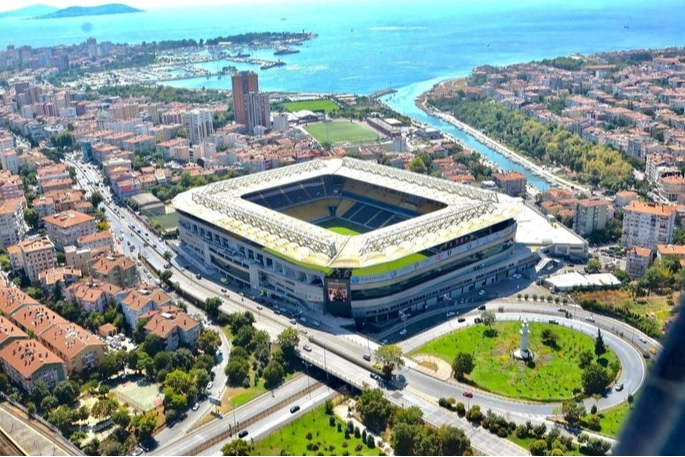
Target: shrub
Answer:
[[331, 421], [371, 441], [535, 297], [442, 402], [309, 436], [346, 452], [518, 296], [350, 426], [593, 410], [461, 409], [340, 428], [503, 433], [357, 433], [331, 448], [364, 436], [344, 445], [329, 407], [583, 437], [358, 448], [347, 434], [451, 400], [538, 447], [593, 422], [522, 432]]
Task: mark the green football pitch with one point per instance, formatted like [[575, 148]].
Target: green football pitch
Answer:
[[339, 132]]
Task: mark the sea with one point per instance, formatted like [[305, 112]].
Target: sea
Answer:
[[366, 46]]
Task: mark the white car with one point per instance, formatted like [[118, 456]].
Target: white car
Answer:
[[316, 323], [482, 292], [195, 407], [590, 319], [307, 348], [403, 331], [210, 385], [643, 340]]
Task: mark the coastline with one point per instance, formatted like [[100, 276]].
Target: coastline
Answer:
[[421, 103]]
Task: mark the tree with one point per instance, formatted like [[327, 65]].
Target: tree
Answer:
[[244, 337], [209, 341], [167, 255], [593, 265], [488, 318], [585, 358], [288, 340], [375, 409], [95, 199], [165, 275], [152, 345], [600, 348], [273, 374], [66, 392], [31, 217], [109, 365], [389, 357], [180, 382], [201, 378], [102, 225], [597, 446], [103, 408], [453, 441], [121, 417], [549, 337], [538, 447], [595, 379], [463, 364], [418, 166], [404, 438], [262, 345], [39, 392], [49, 403], [62, 418], [572, 411], [212, 305], [237, 370], [630, 400], [237, 447], [412, 416], [144, 424]]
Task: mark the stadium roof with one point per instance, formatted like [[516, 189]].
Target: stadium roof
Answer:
[[467, 209]]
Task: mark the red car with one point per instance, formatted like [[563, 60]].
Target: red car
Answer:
[[468, 394]]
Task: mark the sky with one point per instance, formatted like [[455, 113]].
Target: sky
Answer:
[[143, 4]]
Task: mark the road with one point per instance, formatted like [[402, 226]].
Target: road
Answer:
[[186, 442], [354, 345], [280, 418], [131, 241]]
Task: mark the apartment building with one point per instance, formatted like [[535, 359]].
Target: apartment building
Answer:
[[141, 300], [102, 239], [93, 295], [44, 206], [65, 228], [647, 224], [33, 256], [590, 215], [62, 276], [512, 183], [198, 124], [174, 327], [114, 268], [26, 361], [12, 226], [11, 186], [9, 161], [637, 261]]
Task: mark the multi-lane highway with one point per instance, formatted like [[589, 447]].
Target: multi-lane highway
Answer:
[[420, 388]]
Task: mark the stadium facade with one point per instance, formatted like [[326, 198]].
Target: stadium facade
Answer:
[[353, 238]]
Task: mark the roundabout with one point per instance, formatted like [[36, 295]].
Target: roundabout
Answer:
[[551, 370], [632, 366]]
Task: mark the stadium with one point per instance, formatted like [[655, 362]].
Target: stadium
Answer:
[[353, 238]]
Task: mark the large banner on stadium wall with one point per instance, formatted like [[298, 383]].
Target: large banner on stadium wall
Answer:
[[337, 296], [432, 260]]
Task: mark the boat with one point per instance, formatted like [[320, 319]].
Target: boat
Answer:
[[284, 51], [266, 66]]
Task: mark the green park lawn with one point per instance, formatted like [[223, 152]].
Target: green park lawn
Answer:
[[552, 375], [338, 132], [322, 105], [292, 438], [611, 420]]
